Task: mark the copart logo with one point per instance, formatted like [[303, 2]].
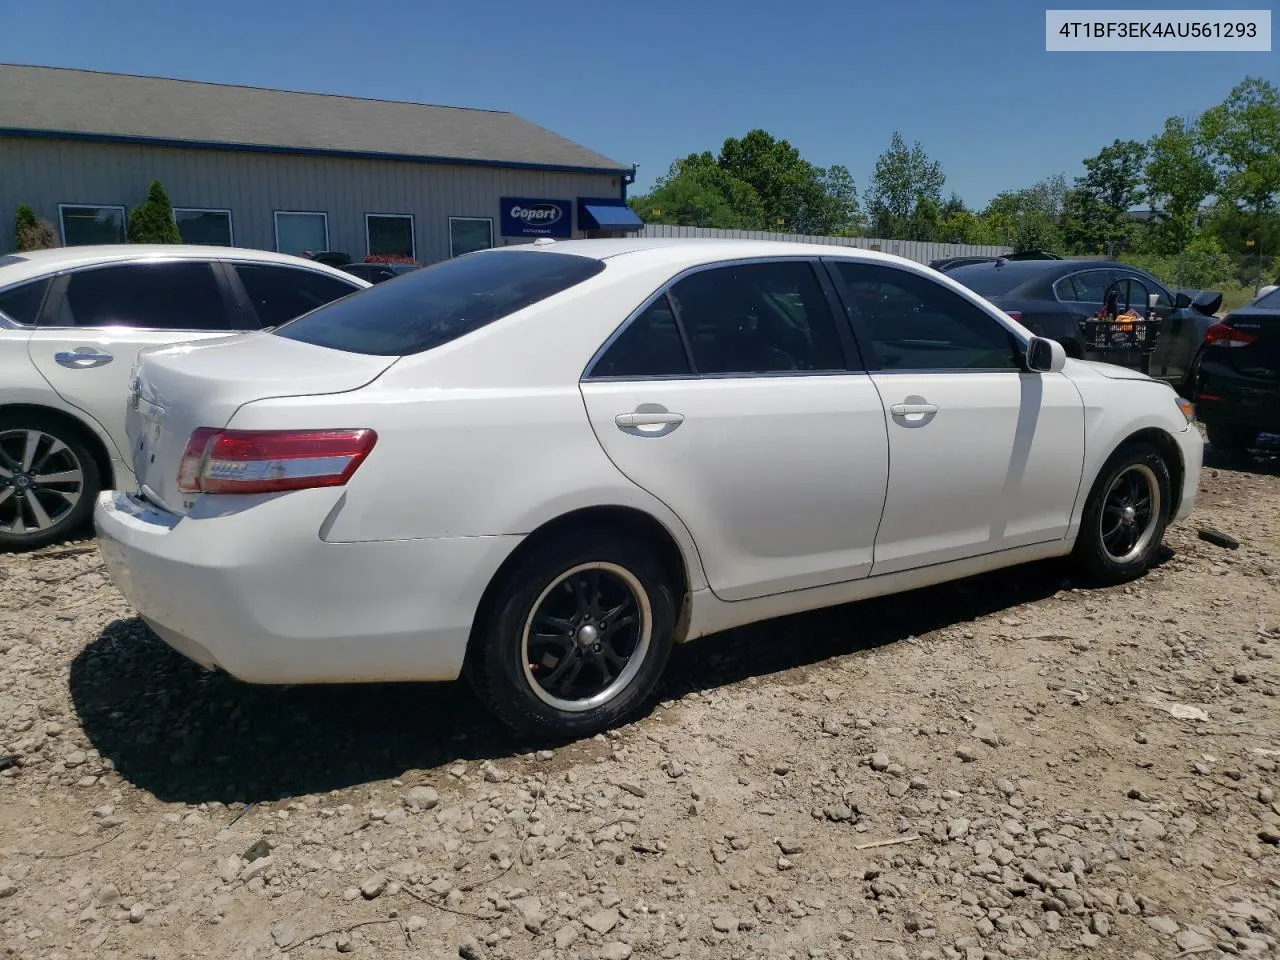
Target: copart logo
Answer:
[[537, 214]]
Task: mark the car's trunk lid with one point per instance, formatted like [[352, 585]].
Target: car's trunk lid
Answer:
[[177, 389]]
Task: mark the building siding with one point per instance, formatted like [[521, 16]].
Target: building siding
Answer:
[[44, 173]]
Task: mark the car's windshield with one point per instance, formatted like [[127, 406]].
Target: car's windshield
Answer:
[[1271, 301], [987, 280], [425, 308]]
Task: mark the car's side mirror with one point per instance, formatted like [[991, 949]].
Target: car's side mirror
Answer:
[[1045, 356], [1181, 301]]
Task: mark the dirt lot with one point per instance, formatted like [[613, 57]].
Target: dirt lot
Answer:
[[1002, 767]]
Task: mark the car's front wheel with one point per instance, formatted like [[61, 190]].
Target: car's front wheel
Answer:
[[575, 636], [1125, 516], [48, 481]]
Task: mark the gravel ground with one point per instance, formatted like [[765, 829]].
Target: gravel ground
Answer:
[[1005, 767]]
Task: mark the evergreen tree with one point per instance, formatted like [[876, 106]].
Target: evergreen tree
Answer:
[[32, 233], [152, 220]]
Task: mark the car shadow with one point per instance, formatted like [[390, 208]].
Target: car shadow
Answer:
[[190, 735], [1262, 459]]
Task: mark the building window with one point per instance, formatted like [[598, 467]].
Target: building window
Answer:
[[210, 227], [84, 224], [469, 233], [301, 232], [389, 235]]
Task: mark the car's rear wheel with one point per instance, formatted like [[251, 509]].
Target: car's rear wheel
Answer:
[[48, 482], [1125, 516], [1231, 438], [575, 636]]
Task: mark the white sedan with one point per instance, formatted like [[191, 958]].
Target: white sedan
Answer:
[[544, 465]]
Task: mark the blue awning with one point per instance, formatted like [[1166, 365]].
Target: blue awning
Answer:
[[606, 215]]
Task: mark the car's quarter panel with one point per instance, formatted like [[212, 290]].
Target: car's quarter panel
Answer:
[[780, 480], [244, 583], [998, 465]]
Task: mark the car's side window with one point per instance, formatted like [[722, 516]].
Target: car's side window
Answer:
[[915, 323], [650, 346], [22, 303], [1091, 285], [1137, 296], [279, 294], [1065, 290], [747, 318], [160, 295]]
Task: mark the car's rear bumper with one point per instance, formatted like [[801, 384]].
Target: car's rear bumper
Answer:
[[1226, 397], [256, 592]]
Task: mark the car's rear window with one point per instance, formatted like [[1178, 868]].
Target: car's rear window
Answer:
[[988, 281], [1271, 301], [429, 307]]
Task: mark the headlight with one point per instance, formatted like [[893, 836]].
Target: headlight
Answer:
[[1187, 407]]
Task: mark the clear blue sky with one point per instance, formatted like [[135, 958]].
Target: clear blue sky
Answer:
[[647, 82]]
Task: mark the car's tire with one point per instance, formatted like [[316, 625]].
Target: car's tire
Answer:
[[49, 481], [1230, 437], [553, 585], [1125, 516]]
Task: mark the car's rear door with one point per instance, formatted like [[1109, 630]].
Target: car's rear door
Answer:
[[275, 293], [734, 397], [96, 319], [983, 455]]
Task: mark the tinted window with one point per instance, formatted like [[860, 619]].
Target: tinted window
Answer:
[[988, 280], [177, 295], [1139, 287], [758, 318], [650, 346], [917, 324], [279, 294], [1066, 289], [1091, 286], [429, 307], [23, 303]]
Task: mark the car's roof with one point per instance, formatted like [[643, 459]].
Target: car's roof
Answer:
[[644, 252], [17, 267]]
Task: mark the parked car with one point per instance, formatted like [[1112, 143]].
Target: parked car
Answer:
[[950, 263], [1053, 298], [72, 321], [546, 464], [378, 272], [1238, 375]]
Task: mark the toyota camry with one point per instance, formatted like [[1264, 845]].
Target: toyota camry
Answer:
[[542, 466]]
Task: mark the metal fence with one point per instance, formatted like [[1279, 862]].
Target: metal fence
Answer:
[[911, 249]]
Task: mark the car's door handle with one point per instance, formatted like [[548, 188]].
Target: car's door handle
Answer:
[[655, 419], [82, 359], [912, 409]]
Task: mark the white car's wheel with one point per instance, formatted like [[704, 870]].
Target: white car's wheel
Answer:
[[575, 637], [1125, 517], [48, 481]]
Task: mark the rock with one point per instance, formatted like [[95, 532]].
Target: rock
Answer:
[[1006, 787], [1190, 940], [725, 924], [229, 868], [1266, 795], [616, 950], [1100, 924], [1089, 940], [373, 887], [879, 762], [259, 850], [1166, 925], [343, 943], [1269, 835], [957, 828], [566, 935], [283, 932], [1052, 921], [987, 734], [137, 913], [602, 921], [782, 769], [75, 758], [257, 868], [422, 798], [7, 887], [790, 847], [634, 789], [1241, 675], [469, 949], [838, 813], [966, 754]]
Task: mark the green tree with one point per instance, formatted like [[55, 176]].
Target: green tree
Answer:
[[32, 233], [1085, 223], [1179, 177], [798, 197], [1112, 185], [904, 178], [1243, 136], [152, 220], [697, 192], [1027, 219]]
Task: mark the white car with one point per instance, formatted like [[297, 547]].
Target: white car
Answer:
[[545, 465], [72, 321]]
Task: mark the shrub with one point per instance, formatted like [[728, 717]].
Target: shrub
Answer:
[[390, 258], [152, 220], [32, 233]]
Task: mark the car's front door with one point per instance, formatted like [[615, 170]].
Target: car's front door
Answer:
[[733, 398], [97, 319], [983, 455]]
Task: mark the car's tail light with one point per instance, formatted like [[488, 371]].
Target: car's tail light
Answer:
[[1016, 314], [1222, 334], [269, 461]]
